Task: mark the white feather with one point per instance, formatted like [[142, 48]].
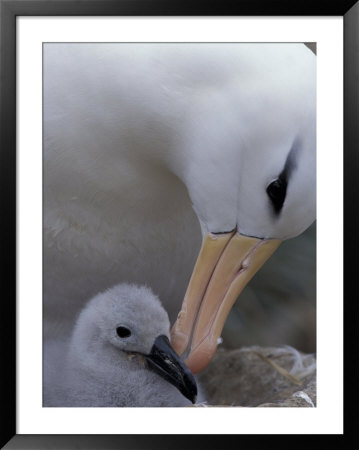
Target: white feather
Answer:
[[144, 142]]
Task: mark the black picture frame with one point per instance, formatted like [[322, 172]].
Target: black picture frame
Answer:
[[9, 10]]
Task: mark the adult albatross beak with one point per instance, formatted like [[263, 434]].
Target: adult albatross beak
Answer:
[[224, 266]]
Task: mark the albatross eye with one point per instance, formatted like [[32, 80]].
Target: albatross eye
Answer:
[[276, 191], [123, 332]]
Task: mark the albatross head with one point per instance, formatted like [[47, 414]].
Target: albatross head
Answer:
[[252, 180], [124, 329]]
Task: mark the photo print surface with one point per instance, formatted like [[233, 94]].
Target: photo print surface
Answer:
[[179, 224]]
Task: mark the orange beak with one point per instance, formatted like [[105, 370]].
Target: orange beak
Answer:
[[224, 266]]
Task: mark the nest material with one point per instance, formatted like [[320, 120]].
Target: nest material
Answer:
[[260, 376]]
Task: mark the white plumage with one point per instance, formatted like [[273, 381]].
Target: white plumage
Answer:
[[147, 144]]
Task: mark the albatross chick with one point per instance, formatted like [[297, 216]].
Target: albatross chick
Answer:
[[119, 354]]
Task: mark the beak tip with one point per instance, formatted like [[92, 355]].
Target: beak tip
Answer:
[[179, 340], [202, 355], [167, 363]]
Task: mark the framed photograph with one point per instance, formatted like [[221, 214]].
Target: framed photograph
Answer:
[[172, 67]]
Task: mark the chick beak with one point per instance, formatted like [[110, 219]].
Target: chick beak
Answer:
[[165, 362]]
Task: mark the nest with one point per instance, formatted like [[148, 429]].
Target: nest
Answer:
[[260, 377]]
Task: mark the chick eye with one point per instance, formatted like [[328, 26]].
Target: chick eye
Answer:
[[123, 332], [276, 191]]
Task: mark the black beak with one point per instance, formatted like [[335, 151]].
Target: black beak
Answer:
[[165, 362]]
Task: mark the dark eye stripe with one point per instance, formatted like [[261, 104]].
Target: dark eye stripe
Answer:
[[277, 191]]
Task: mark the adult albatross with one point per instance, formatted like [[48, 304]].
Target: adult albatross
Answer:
[[147, 144]]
